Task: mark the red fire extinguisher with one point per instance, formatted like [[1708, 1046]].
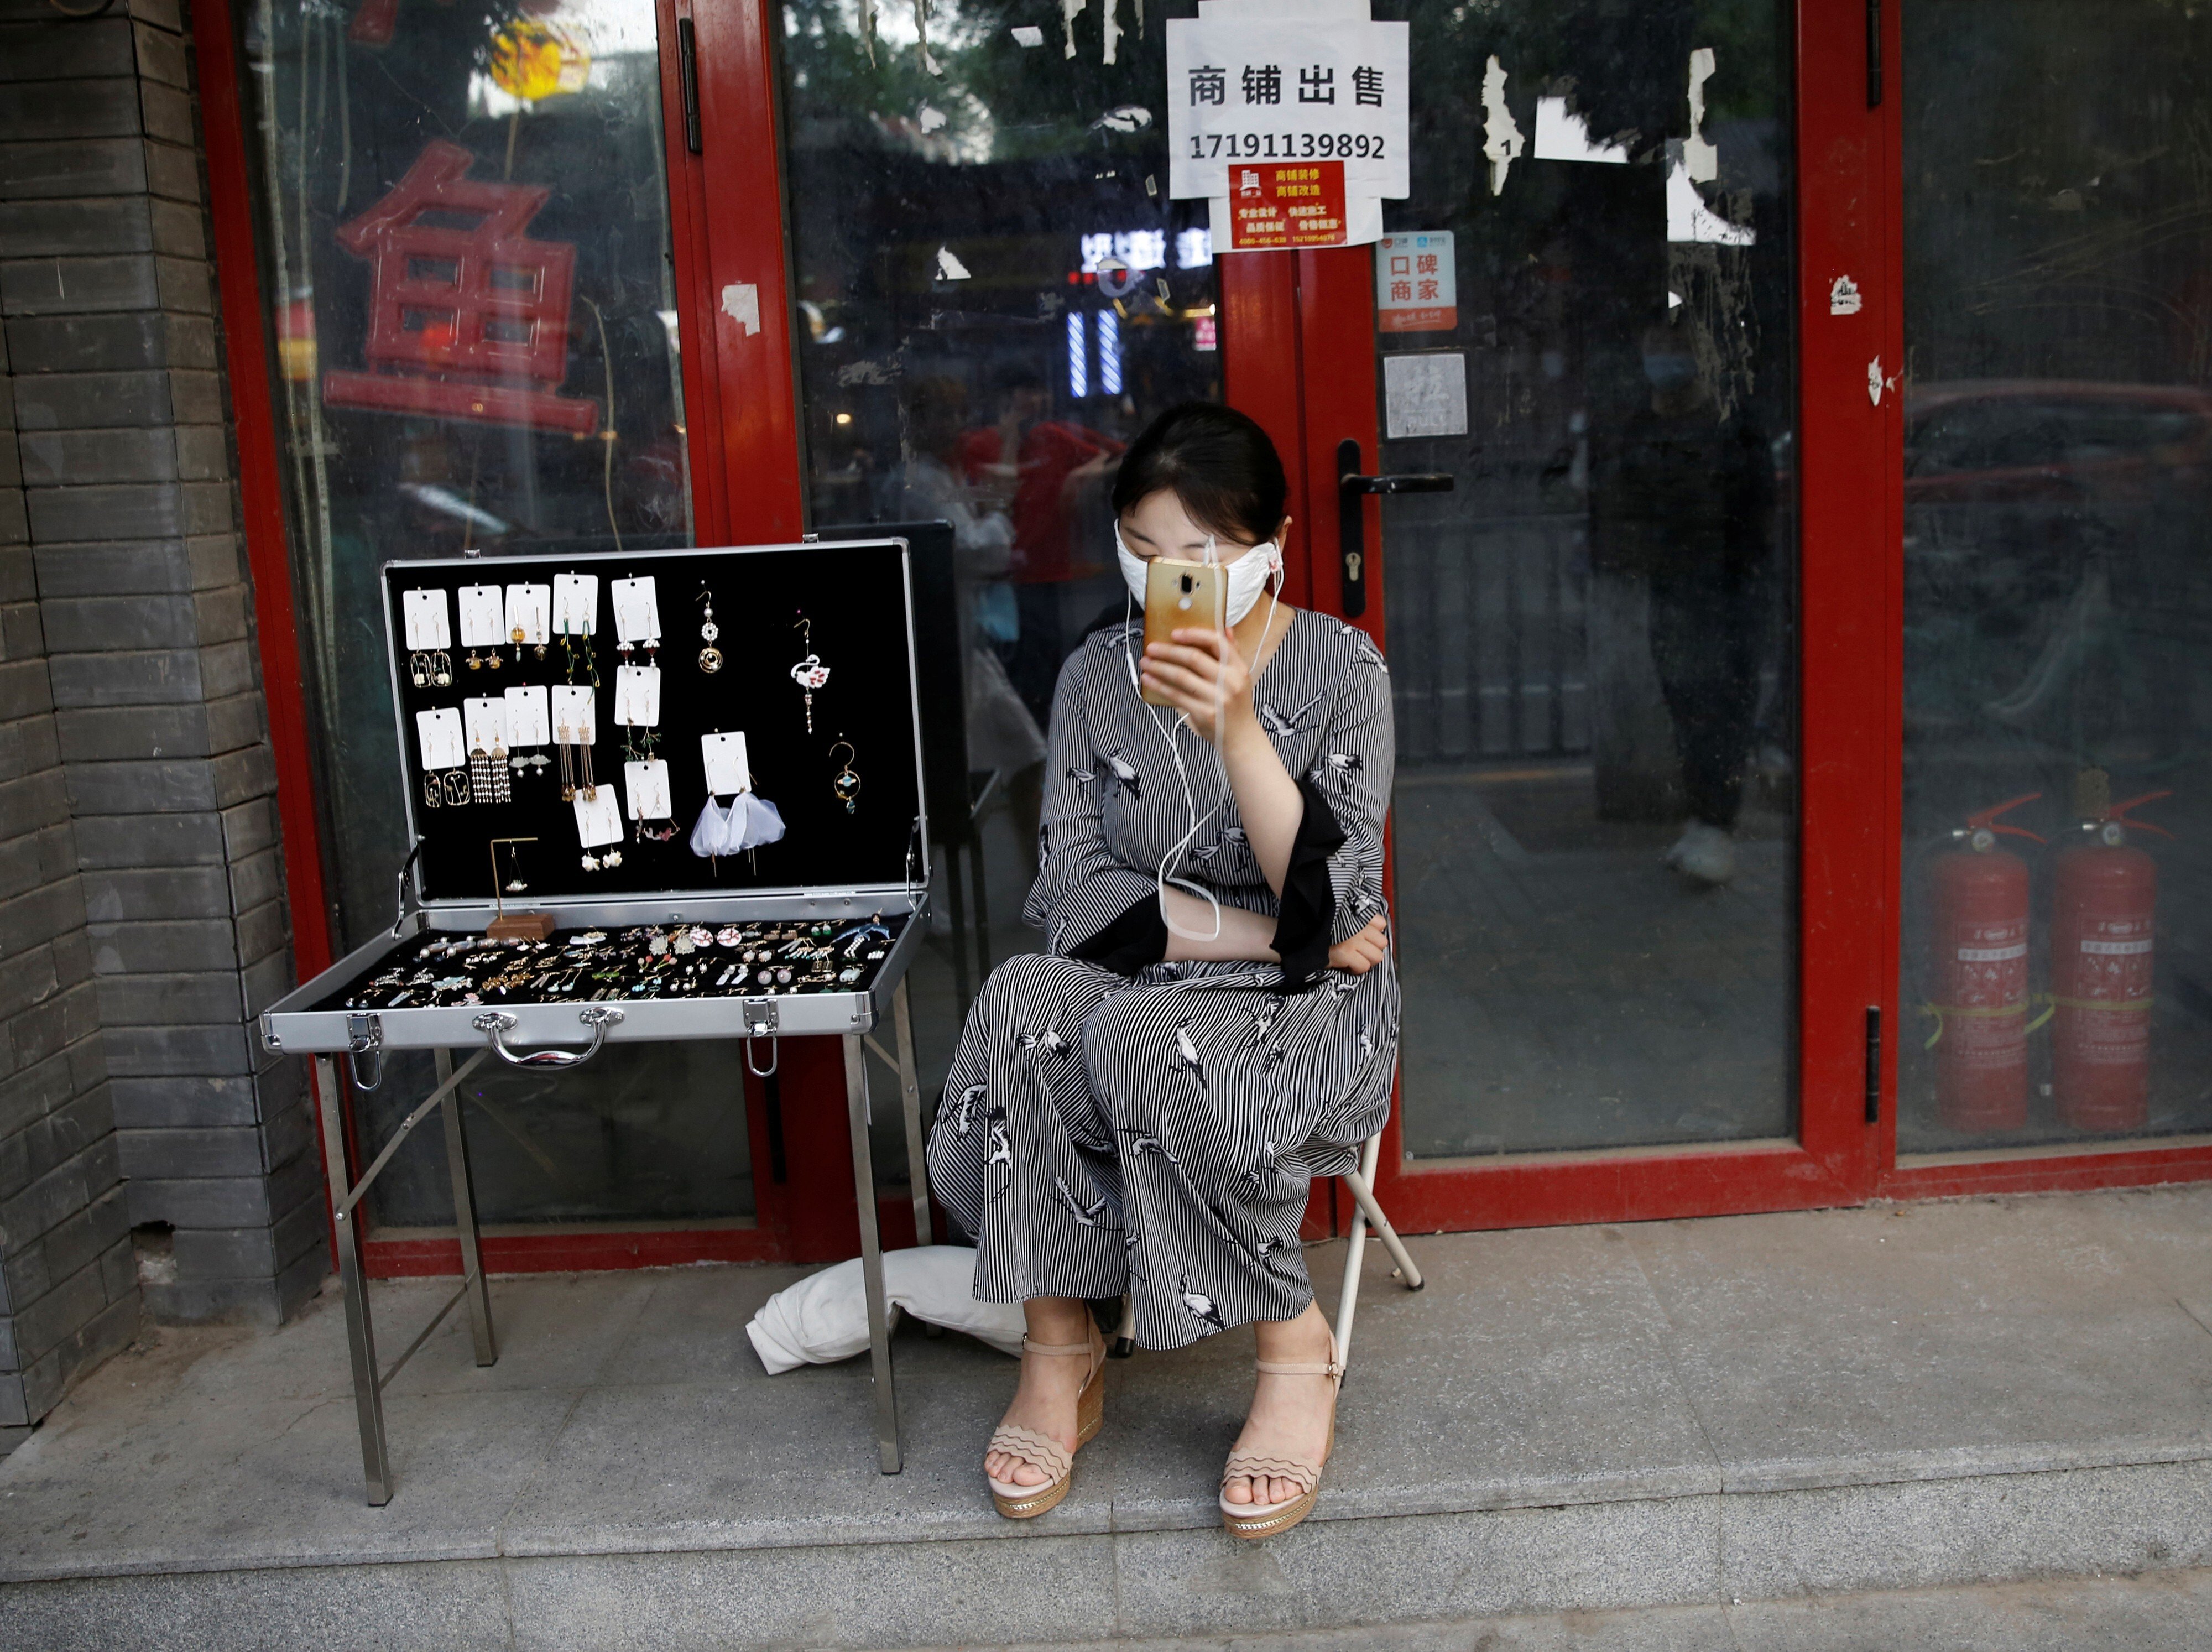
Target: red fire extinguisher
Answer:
[[1979, 970], [2103, 918]]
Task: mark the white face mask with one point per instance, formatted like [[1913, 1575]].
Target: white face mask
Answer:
[[1248, 575]]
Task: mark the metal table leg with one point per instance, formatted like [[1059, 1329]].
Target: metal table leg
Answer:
[[917, 1166], [871, 1252], [465, 1219], [361, 1333]]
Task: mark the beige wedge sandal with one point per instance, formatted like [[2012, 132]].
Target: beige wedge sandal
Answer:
[[1040, 1450], [1266, 1519]]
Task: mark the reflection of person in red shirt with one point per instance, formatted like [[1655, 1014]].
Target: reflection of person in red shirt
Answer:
[[1052, 460]]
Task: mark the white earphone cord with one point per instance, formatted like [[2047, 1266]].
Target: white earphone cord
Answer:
[[1163, 877]]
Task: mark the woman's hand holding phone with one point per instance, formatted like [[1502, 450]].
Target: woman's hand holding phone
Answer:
[[1201, 673]]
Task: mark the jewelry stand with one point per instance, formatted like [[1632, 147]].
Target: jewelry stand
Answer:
[[630, 951]]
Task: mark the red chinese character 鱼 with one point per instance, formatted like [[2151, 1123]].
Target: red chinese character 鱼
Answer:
[[467, 320]]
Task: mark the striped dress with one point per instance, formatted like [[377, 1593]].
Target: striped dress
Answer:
[[1114, 1122]]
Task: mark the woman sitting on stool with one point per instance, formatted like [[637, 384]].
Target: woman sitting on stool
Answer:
[[1136, 1110]]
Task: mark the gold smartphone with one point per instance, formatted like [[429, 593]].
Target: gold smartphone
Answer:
[[1177, 596]]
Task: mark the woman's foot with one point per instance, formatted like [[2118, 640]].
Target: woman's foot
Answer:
[[1045, 1399], [1290, 1415]]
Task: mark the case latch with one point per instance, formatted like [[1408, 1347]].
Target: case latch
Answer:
[[365, 1036], [761, 1016]]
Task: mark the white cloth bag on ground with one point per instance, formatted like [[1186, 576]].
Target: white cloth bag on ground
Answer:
[[824, 1317]]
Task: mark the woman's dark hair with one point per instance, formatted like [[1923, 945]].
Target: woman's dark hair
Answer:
[[1218, 462]]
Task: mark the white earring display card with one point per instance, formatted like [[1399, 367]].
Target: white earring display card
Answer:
[[440, 734], [637, 695], [529, 720], [426, 626], [483, 607], [529, 610], [726, 768], [574, 718], [484, 724], [598, 818], [637, 611], [575, 604], [645, 786]]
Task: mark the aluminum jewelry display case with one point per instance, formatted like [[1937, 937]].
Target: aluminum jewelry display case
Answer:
[[529, 936]]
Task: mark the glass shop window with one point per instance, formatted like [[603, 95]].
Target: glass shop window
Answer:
[[995, 295], [2057, 937], [464, 242]]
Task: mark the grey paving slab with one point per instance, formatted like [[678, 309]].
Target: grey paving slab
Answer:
[[1657, 1552], [2167, 1231], [1532, 1368], [1051, 1589], [2157, 1611], [754, 1460], [1984, 1528], [454, 1606], [1823, 1347], [553, 1331]]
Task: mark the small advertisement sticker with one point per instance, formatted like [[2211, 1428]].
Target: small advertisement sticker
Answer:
[[1416, 283], [1276, 206]]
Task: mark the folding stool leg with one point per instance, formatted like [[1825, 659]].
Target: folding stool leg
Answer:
[[1125, 1339], [1362, 1183]]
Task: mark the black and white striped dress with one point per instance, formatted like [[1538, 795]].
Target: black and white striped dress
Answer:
[[1113, 1122]]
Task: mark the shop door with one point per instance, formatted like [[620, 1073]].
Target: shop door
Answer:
[[1556, 434]]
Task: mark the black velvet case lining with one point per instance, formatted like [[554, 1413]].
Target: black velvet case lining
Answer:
[[856, 596]]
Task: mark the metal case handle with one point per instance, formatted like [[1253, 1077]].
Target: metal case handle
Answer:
[[495, 1025]]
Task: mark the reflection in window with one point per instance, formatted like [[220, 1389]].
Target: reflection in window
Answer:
[[464, 231], [996, 295], [2057, 949]]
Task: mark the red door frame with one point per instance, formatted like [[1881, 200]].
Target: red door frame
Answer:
[[1299, 353]]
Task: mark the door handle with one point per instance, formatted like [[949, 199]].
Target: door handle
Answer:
[[1352, 520], [687, 65]]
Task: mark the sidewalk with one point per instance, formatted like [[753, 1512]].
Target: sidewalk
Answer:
[[1567, 1420]]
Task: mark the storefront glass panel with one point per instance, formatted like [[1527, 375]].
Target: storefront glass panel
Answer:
[[1585, 322], [464, 237], [2058, 574], [994, 295]]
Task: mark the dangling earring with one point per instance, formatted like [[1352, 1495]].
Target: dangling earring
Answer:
[[847, 785], [710, 657], [810, 673]]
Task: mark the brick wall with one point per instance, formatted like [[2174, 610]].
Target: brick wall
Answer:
[[67, 1291], [107, 295]]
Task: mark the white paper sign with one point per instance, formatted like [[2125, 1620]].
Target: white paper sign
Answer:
[[726, 768], [645, 787], [529, 722], [485, 724], [438, 734], [1286, 88], [598, 820], [575, 604], [529, 610], [482, 609], [637, 611], [575, 718], [1416, 282], [1425, 394], [637, 695], [424, 612]]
